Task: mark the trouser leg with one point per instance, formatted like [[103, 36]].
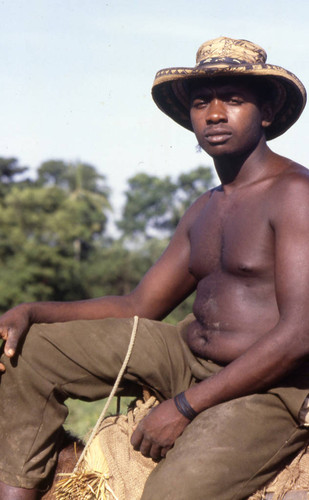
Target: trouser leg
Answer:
[[76, 359], [228, 452]]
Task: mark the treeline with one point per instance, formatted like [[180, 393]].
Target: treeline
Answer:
[[54, 243]]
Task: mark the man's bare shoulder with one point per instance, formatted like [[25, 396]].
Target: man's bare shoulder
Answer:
[[292, 176], [200, 202], [290, 190], [195, 209]]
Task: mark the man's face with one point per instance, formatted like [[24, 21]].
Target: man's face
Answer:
[[226, 116]]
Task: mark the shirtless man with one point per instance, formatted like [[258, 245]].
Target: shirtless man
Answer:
[[233, 378]]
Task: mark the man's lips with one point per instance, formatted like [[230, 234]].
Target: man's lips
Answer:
[[217, 135]]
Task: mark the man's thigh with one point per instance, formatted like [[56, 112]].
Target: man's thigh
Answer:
[[228, 451], [92, 353], [79, 359]]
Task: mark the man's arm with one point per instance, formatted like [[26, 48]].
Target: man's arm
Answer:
[[277, 352], [163, 287], [286, 345]]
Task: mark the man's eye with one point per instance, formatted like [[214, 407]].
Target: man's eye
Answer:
[[235, 100], [199, 103]]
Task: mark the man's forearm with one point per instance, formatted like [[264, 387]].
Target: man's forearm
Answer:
[[15, 323], [57, 312], [260, 367]]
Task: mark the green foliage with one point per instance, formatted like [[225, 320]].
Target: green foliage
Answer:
[[148, 204], [46, 232], [83, 415], [193, 184], [116, 270], [73, 177], [9, 169], [53, 242], [155, 205], [181, 311]]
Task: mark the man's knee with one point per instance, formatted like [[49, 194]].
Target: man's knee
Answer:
[[221, 451], [188, 479]]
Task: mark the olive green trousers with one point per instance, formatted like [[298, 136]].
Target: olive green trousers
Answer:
[[226, 452]]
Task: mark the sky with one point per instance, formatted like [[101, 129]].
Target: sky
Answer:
[[77, 74]]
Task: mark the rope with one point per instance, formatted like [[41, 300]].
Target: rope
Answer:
[[112, 394]]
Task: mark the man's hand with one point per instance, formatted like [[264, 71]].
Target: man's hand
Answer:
[[158, 431], [14, 324]]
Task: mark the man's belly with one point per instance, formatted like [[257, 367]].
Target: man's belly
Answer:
[[219, 346], [228, 323]]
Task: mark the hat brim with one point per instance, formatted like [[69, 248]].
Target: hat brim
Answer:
[[171, 96]]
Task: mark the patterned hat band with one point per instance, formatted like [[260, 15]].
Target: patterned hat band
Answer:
[[221, 60], [226, 57]]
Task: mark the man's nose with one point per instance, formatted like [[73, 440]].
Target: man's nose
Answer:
[[216, 111]]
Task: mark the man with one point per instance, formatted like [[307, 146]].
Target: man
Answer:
[[231, 379]]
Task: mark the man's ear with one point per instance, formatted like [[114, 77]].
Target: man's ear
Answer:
[[268, 114]]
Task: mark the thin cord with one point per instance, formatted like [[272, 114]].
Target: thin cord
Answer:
[[113, 391]]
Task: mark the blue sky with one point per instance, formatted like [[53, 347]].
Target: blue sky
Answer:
[[76, 77]]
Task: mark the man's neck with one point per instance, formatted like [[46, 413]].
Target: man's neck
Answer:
[[243, 169]]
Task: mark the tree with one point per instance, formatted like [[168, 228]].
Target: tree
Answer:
[[46, 232], [148, 202], [53, 243], [116, 269], [190, 186], [73, 177], [151, 213], [87, 200], [9, 169], [155, 205], [51, 173]]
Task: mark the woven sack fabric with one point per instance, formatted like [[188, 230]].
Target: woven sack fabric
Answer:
[[111, 469], [293, 478]]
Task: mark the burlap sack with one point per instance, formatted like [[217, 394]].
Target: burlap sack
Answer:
[[293, 478], [111, 469]]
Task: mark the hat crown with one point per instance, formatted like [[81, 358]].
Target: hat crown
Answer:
[[225, 49]]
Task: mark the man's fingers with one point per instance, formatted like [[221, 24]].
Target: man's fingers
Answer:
[[164, 451], [155, 452], [149, 449], [136, 438], [2, 368], [144, 445], [145, 448], [7, 335], [4, 333], [9, 349], [11, 343]]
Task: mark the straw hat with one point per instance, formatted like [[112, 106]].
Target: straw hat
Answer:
[[228, 57]]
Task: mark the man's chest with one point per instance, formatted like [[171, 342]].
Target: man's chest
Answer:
[[233, 235]]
